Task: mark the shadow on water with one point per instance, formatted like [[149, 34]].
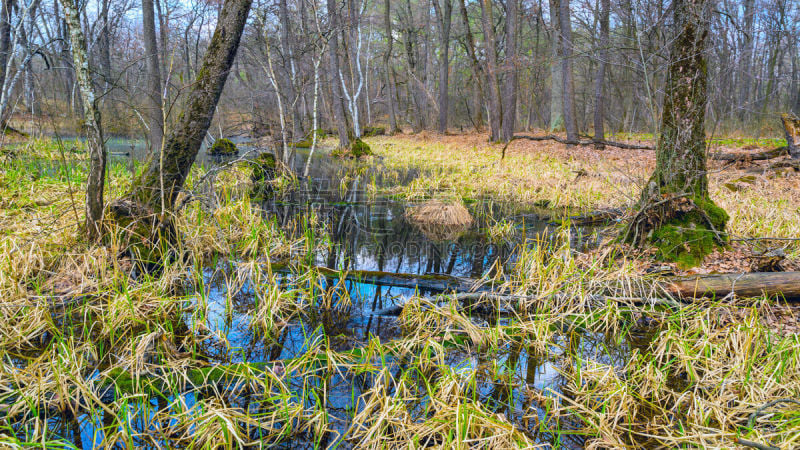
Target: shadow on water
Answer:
[[365, 231]]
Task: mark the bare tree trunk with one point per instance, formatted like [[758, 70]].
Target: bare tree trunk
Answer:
[[163, 32], [477, 72], [290, 89], [388, 71], [155, 113], [26, 35], [556, 73], [570, 120], [165, 172], [104, 45], [675, 211], [444, 15], [599, 80], [336, 88], [94, 142], [510, 88], [491, 64]]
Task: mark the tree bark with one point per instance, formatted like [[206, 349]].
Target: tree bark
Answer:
[[599, 81], [675, 211], [510, 87], [165, 172], [94, 136], [495, 116], [444, 15], [756, 284], [336, 88], [155, 113]]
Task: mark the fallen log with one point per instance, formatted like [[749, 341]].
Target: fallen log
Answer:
[[552, 137], [760, 156], [598, 217], [433, 282], [791, 128], [756, 284]]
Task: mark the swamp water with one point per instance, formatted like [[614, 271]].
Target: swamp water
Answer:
[[361, 230]]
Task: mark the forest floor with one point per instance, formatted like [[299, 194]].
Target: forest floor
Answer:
[[218, 350], [762, 200]]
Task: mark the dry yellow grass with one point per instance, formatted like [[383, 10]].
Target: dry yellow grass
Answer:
[[762, 202]]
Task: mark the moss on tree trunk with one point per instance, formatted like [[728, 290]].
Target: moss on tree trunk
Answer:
[[166, 171], [675, 212]]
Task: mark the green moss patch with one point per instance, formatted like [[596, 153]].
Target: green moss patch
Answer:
[[357, 149], [374, 131], [264, 170], [223, 147], [691, 235]]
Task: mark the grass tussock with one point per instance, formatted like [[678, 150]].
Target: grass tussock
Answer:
[[440, 220]]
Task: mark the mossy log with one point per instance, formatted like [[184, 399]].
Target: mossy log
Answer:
[[374, 131], [756, 284]]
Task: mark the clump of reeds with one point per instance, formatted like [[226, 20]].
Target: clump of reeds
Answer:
[[440, 220]]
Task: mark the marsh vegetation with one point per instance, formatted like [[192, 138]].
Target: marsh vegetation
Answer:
[[231, 224]]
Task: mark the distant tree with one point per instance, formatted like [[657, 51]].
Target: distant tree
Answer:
[[387, 68], [154, 112], [600, 77], [490, 42], [336, 87], [444, 15], [510, 82], [568, 92]]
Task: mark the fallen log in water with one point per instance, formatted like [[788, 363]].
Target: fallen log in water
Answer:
[[786, 284], [756, 284], [433, 282]]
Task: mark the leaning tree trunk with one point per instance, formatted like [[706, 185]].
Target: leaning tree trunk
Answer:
[[94, 135], [166, 171], [675, 211]]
